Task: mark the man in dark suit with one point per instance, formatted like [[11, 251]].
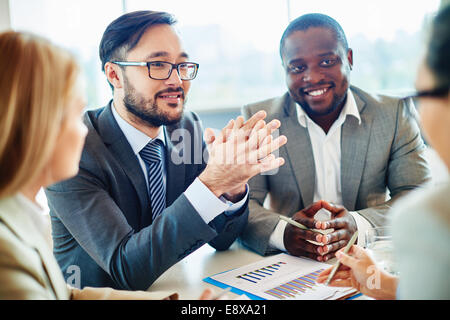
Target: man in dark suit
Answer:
[[144, 197]]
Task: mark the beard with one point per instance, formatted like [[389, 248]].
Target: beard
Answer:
[[147, 110]]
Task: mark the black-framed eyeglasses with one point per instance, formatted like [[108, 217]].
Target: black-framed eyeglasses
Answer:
[[440, 92], [413, 100], [162, 70]]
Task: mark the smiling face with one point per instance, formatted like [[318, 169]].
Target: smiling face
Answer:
[[317, 70], [155, 102]]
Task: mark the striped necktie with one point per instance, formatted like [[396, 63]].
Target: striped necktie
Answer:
[[152, 156]]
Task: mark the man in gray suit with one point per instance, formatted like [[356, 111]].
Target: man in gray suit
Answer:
[[144, 197], [349, 151]]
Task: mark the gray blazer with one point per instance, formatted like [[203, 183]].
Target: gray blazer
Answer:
[[101, 219], [385, 152]]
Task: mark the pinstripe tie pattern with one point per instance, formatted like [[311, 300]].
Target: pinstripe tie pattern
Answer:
[[152, 156]]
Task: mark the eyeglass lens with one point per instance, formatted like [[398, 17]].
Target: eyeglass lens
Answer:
[[162, 70]]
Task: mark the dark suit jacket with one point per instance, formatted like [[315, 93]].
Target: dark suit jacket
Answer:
[[101, 219], [385, 154]]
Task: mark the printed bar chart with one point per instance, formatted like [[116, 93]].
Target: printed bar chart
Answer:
[[295, 288], [259, 274], [280, 277]]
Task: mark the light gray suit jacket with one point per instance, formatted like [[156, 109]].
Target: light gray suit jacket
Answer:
[[384, 152], [28, 269]]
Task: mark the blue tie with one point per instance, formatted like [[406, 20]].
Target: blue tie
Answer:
[[152, 156]]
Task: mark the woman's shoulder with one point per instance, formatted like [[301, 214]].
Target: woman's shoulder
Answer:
[[430, 197], [427, 208]]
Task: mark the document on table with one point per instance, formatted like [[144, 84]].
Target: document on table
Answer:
[[281, 277]]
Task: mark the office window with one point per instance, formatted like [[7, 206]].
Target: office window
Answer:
[[75, 25], [386, 37], [236, 41]]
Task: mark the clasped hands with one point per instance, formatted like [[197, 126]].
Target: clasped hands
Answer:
[[239, 152], [342, 223]]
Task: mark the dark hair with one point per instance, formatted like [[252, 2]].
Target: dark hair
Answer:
[[438, 52], [311, 20], [124, 33]]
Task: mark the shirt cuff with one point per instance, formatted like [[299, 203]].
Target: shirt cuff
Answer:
[[235, 207], [362, 225], [276, 238], [207, 204]]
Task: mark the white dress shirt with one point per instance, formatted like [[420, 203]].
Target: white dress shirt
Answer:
[[202, 199], [327, 159]]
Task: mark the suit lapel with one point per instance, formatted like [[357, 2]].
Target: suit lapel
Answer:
[[175, 173], [52, 269], [112, 136], [299, 151], [354, 146]]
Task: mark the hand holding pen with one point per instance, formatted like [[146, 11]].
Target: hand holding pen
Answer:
[[356, 269]]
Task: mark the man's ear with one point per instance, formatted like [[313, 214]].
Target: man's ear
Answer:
[[350, 58], [114, 75]]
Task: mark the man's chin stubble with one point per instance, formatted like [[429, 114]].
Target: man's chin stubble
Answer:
[[153, 120]]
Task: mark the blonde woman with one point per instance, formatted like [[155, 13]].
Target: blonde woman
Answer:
[[421, 221], [41, 138]]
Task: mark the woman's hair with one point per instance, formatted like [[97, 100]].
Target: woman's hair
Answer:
[[36, 82], [438, 53]]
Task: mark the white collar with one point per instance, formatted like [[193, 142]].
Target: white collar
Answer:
[[136, 138], [350, 109]]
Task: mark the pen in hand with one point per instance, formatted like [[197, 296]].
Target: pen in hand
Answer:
[[299, 225], [346, 249], [293, 222]]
